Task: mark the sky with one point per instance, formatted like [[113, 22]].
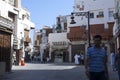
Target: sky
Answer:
[[44, 12]]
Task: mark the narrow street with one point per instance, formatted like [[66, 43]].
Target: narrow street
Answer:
[[50, 71]]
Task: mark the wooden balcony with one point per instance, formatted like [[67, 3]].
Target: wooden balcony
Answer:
[[80, 33], [27, 39], [76, 36]]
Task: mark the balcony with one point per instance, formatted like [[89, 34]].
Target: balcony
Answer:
[[76, 36], [6, 23], [27, 39]]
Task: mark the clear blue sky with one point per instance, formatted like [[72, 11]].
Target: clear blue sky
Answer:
[[44, 12]]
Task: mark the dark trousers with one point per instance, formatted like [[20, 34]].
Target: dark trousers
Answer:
[[97, 75]]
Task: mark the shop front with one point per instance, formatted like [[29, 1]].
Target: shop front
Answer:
[[58, 57], [59, 53]]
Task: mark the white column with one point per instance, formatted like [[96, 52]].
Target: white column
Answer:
[[70, 54], [50, 50]]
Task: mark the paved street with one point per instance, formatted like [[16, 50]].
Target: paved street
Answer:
[[37, 71]]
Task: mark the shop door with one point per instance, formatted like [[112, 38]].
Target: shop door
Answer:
[[76, 48], [5, 49]]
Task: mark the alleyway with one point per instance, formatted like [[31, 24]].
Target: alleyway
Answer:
[[37, 71]]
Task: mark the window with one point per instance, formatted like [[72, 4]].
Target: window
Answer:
[[118, 20], [77, 6], [58, 19], [12, 2], [100, 14], [23, 16], [91, 15], [27, 16], [111, 13], [11, 16]]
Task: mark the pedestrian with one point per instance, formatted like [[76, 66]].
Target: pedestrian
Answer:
[[117, 62], [96, 61], [82, 57], [76, 57], [112, 60], [79, 57], [14, 58], [48, 59]]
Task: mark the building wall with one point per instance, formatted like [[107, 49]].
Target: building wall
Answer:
[[23, 23], [12, 12], [91, 4], [57, 37], [62, 21], [6, 33], [99, 23], [5, 7], [94, 6]]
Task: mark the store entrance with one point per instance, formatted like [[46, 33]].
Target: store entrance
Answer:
[[58, 56]]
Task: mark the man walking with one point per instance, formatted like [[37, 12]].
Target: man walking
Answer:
[[112, 60], [96, 61], [76, 57], [117, 62]]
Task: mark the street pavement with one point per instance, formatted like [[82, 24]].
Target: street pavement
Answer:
[[50, 71]]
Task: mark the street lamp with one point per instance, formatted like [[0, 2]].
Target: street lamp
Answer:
[[72, 19], [88, 17]]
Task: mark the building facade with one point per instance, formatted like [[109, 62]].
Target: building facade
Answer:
[[100, 20], [41, 47], [8, 14], [68, 39], [116, 29], [58, 47], [11, 30]]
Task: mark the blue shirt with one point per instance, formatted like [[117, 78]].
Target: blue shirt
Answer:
[[97, 57], [118, 61]]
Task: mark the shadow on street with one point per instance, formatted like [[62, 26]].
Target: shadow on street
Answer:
[[46, 72]]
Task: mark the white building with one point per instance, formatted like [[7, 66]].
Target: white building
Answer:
[[100, 12], [24, 26], [100, 21], [61, 23], [58, 45], [41, 42], [12, 27], [37, 40], [8, 14]]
